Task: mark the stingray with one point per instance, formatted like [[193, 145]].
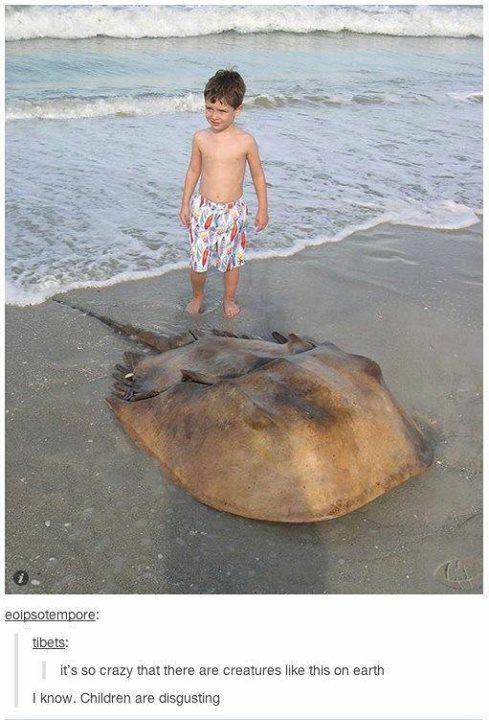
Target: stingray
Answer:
[[285, 430]]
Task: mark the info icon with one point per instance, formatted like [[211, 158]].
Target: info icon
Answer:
[[21, 577]]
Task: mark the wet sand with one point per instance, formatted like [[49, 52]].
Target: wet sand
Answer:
[[88, 512]]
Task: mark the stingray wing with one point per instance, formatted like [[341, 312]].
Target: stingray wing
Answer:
[[302, 438]]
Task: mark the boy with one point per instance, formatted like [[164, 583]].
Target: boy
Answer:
[[216, 218]]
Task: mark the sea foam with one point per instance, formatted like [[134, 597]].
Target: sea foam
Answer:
[[446, 216]]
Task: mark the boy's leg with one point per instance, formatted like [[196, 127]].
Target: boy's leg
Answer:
[[198, 281], [231, 278]]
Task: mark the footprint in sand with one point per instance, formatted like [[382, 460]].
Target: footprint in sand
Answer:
[[461, 574]]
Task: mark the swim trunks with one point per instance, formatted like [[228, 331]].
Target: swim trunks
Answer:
[[217, 234]]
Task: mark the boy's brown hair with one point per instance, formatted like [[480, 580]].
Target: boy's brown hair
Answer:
[[226, 85]]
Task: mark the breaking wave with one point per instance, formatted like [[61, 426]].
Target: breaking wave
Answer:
[[154, 104], [76, 22]]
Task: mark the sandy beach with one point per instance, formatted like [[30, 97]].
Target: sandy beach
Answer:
[[88, 512]]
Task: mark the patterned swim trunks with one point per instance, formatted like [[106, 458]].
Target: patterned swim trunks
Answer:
[[217, 234]]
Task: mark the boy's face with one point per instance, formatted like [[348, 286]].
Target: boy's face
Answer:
[[220, 115]]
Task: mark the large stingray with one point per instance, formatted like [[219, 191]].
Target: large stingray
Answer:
[[287, 431]]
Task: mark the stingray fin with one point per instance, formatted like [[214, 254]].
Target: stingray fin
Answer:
[[199, 377], [226, 333], [133, 358], [185, 338], [223, 333], [126, 379], [296, 344], [369, 366], [279, 338], [159, 342]]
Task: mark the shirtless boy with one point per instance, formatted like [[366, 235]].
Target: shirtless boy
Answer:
[[216, 217]]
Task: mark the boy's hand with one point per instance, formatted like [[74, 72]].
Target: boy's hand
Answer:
[[185, 215], [261, 220]]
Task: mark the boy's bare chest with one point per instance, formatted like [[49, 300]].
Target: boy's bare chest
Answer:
[[223, 153]]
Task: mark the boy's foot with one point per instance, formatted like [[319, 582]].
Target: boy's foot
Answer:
[[230, 308], [195, 306]]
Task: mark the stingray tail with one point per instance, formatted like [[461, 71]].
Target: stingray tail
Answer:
[[153, 340]]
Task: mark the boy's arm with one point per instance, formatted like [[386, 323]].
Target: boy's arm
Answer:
[[193, 174], [258, 176]]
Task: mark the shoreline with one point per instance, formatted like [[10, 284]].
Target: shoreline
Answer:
[[280, 253], [88, 512]]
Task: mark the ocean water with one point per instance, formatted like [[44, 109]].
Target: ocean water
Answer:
[[362, 115]]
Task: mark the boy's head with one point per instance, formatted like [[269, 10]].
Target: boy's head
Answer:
[[227, 85], [223, 96]]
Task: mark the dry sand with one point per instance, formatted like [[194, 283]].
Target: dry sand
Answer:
[[89, 512]]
